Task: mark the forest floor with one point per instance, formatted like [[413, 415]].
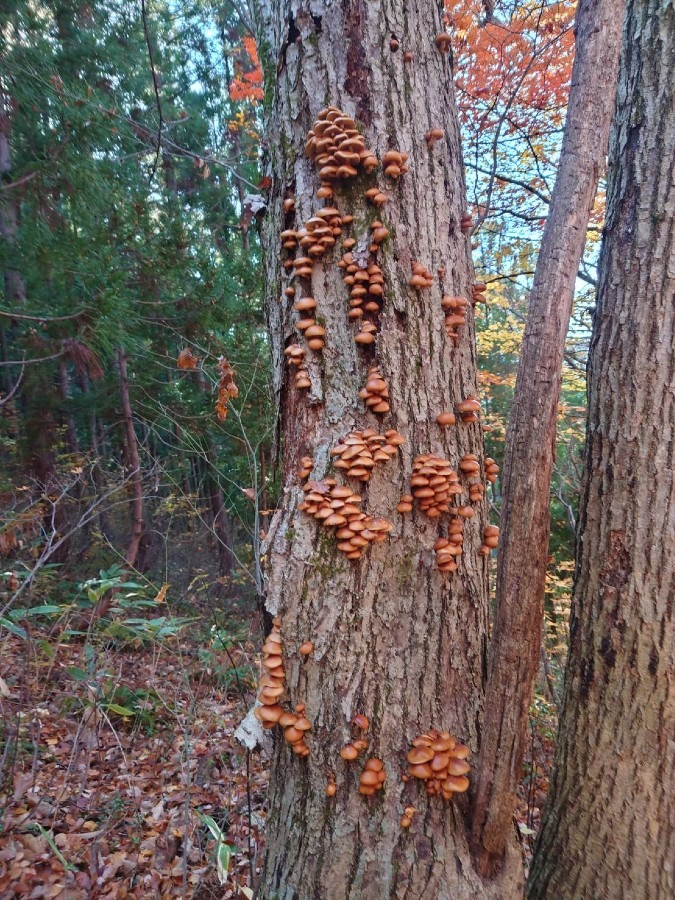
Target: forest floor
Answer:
[[115, 758]]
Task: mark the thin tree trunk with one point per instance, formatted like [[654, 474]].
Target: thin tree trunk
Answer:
[[133, 461], [530, 442], [609, 825], [66, 391], [15, 289], [393, 637], [221, 524]]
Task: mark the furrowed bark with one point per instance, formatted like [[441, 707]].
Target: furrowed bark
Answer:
[[530, 441], [393, 638], [609, 824]]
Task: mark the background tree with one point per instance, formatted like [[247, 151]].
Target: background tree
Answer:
[[610, 818], [531, 435]]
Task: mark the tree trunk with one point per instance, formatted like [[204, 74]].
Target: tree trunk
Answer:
[[393, 637], [221, 523], [530, 442], [609, 825], [133, 461], [15, 289]]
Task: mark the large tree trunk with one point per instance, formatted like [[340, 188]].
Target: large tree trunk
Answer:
[[609, 826], [393, 637], [530, 442]]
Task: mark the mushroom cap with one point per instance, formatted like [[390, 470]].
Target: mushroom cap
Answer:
[[370, 778], [349, 752], [422, 770], [269, 713], [419, 755], [306, 648], [456, 784]]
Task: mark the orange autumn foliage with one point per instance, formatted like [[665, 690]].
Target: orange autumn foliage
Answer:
[[248, 78]]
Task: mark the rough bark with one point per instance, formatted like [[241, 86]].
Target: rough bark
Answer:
[[530, 442], [393, 638], [609, 826], [133, 462]]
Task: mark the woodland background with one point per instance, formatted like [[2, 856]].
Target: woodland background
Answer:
[[135, 481]]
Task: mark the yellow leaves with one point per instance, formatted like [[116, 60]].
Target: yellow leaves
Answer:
[[503, 337]]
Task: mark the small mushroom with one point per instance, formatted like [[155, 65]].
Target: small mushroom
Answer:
[[306, 648], [443, 42], [445, 418]]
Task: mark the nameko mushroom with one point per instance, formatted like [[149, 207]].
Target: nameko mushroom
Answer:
[[468, 409], [272, 687], [337, 147], [490, 539], [455, 314], [375, 393], [336, 506], [421, 277], [438, 760], [373, 777], [434, 482], [394, 163], [359, 452], [443, 42], [478, 292], [491, 469]]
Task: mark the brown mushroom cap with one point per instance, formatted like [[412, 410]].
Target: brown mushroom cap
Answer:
[[419, 755], [349, 752]]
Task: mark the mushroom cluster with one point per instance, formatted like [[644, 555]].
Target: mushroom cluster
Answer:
[[468, 409], [227, 389], [375, 196], [405, 504], [373, 777], [466, 223], [375, 393], [455, 314], [394, 163], [407, 817], [351, 750], [360, 451], [477, 292], [335, 145], [449, 549], [421, 277], [336, 506], [319, 233], [271, 689], [490, 539], [366, 288], [331, 787], [438, 760], [296, 357], [433, 135], [491, 469], [434, 482], [470, 468], [305, 467]]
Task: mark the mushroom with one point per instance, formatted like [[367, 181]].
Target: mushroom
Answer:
[[433, 482], [362, 450], [405, 504], [407, 817], [349, 752], [445, 418], [445, 768], [372, 777], [335, 145], [455, 314], [468, 409], [443, 42], [433, 135], [394, 43], [407, 57], [375, 393], [306, 648], [491, 469], [477, 292], [421, 277]]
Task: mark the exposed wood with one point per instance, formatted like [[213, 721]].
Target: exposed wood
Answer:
[[609, 826], [393, 638], [530, 441]]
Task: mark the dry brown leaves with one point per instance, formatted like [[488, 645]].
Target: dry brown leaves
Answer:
[[93, 807]]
